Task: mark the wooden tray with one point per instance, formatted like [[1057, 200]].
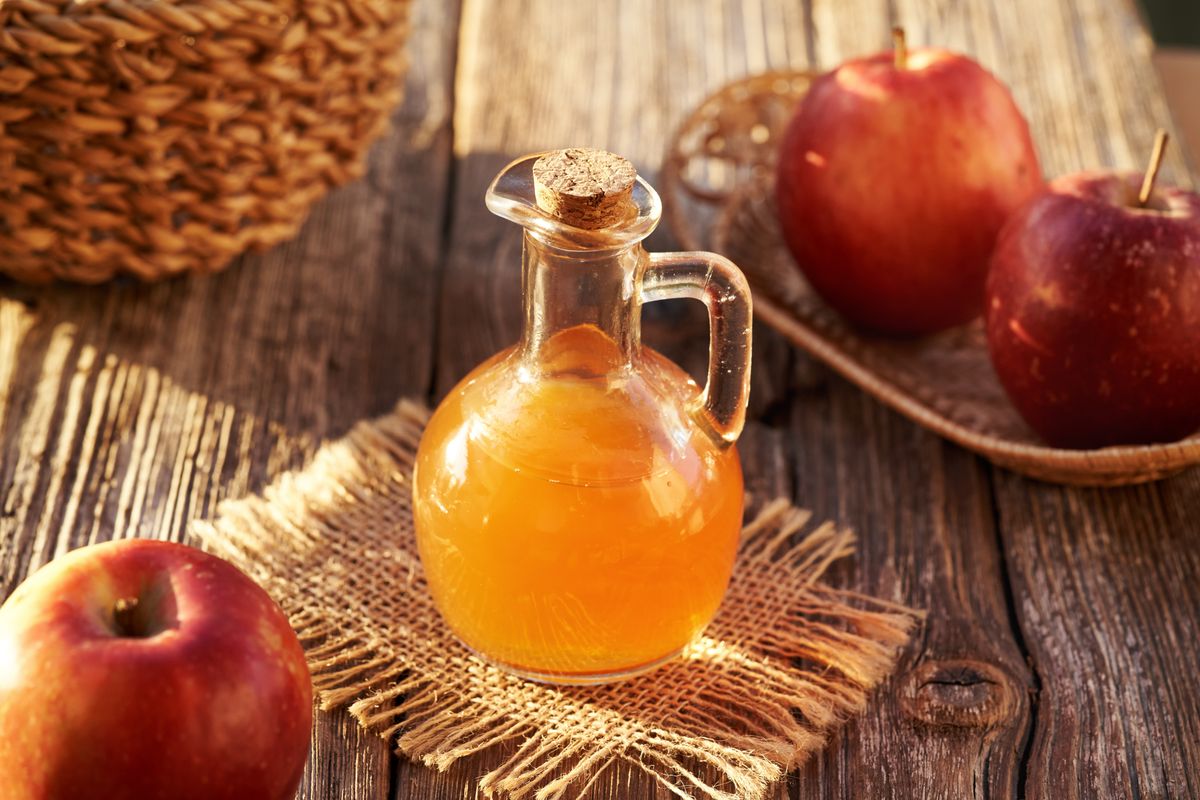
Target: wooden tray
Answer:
[[717, 187]]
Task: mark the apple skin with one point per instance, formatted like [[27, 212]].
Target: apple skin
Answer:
[[217, 705], [1093, 318], [892, 185]]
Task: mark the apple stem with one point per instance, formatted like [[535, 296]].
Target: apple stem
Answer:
[[123, 616], [900, 49], [1156, 157]]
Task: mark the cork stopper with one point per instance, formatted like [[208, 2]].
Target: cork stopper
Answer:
[[586, 188]]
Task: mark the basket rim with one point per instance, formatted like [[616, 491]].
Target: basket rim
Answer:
[[128, 22]]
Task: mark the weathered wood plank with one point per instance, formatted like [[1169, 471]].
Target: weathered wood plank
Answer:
[[1107, 586], [126, 410], [952, 721]]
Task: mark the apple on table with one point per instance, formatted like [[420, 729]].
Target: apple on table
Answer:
[[136, 670], [894, 177], [1093, 316]]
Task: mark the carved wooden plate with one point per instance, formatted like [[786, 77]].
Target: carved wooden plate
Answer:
[[717, 187]]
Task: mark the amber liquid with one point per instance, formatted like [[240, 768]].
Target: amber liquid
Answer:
[[574, 526]]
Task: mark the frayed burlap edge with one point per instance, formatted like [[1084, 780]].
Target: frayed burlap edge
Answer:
[[787, 658]]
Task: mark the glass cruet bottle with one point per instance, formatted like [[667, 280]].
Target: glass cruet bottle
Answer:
[[577, 498]]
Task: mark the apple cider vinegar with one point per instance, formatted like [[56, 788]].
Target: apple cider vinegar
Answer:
[[577, 498], [560, 534]]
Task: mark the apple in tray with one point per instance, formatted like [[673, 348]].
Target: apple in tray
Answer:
[[1093, 316], [142, 669], [894, 177]]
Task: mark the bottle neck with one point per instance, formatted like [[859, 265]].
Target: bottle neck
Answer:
[[582, 309]]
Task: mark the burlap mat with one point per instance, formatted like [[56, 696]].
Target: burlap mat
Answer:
[[786, 659]]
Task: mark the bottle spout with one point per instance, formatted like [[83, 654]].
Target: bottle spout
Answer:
[[576, 199]]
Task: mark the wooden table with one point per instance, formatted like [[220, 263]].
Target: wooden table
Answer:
[[1061, 651]]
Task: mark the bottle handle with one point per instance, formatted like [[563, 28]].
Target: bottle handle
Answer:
[[720, 285]]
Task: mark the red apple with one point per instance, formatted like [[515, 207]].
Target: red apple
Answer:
[[139, 669], [893, 183], [1093, 317]]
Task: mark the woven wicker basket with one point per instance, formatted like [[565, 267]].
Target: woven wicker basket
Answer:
[[155, 137]]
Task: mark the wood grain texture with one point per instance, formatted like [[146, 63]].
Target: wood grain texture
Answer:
[[953, 720], [1107, 588], [126, 410]]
